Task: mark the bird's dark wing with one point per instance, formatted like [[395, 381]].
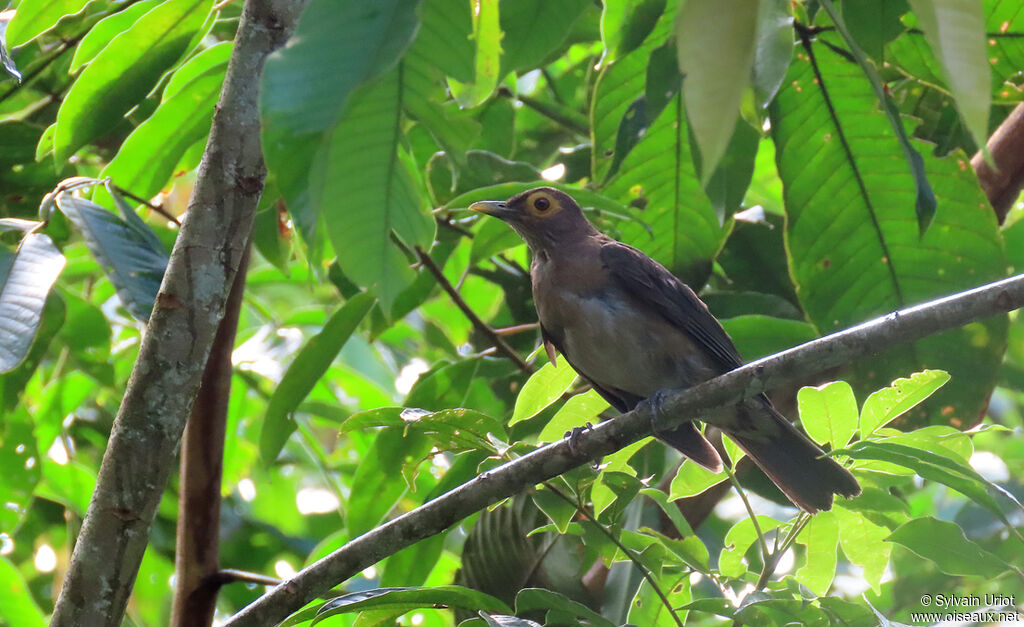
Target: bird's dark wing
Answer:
[[655, 287]]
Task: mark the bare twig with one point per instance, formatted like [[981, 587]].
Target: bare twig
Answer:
[[157, 208], [518, 328], [143, 441], [676, 407], [474, 319]]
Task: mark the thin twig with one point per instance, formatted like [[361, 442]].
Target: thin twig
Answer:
[[750, 511], [474, 319], [576, 125], [157, 208], [518, 328]]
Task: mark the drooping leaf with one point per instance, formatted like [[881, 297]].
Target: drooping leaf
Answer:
[[625, 24], [864, 544], [821, 537], [26, 277], [533, 30], [129, 257], [530, 600], [956, 33], [125, 71], [874, 23], [577, 411], [716, 54], [304, 372], [692, 479], [774, 49]]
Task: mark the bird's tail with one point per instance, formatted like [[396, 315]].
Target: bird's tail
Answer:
[[792, 460]]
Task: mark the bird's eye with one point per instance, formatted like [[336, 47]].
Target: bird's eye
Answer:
[[541, 204]]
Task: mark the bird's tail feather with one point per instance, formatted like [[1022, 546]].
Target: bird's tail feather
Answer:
[[792, 460], [690, 442]]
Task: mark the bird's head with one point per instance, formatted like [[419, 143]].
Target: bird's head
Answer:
[[544, 217]]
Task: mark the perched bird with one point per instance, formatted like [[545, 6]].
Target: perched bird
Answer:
[[631, 328]]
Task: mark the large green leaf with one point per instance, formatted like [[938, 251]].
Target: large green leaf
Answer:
[[367, 189], [129, 253], [411, 598], [309, 365], [716, 53], [125, 71], [486, 57], [677, 224], [35, 17], [852, 235], [26, 277]]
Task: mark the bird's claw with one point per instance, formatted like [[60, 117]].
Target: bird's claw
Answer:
[[573, 435], [656, 405]]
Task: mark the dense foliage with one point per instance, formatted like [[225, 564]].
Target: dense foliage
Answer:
[[811, 171]]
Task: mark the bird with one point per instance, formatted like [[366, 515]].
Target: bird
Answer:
[[632, 329]]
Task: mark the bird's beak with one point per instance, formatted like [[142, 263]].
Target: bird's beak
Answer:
[[495, 208]]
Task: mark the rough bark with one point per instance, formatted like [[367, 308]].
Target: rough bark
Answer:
[[673, 409], [165, 380]]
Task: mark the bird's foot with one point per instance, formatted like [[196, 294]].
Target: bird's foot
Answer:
[[656, 405], [573, 436]]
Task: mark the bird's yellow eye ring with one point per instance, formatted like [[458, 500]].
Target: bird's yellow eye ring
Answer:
[[541, 203]]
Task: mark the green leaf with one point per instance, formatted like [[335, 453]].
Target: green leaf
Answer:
[[302, 375], [106, 29], [647, 607], [410, 599], [854, 244], [945, 544], [606, 487], [26, 277], [863, 544], [716, 53], [874, 23], [956, 32], [821, 537], [558, 511], [16, 604], [883, 406], [498, 620], [935, 467], [381, 477], [337, 46], [487, 57], [530, 600], [728, 183], [543, 387], [125, 71], [828, 413], [757, 336], [692, 479], [534, 30], [147, 159], [129, 256], [625, 24], [367, 188], [577, 411], [493, 237], [33, 18], [738, 540]]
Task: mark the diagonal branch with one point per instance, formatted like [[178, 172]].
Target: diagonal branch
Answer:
[[676, 407], [478, 324], [143, 442]]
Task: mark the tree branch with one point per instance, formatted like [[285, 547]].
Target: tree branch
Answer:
[[1003, 183], [478, 324], [174, 351], [676, 407]]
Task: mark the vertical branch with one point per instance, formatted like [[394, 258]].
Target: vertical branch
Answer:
[[196, 559], [174, 350]]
